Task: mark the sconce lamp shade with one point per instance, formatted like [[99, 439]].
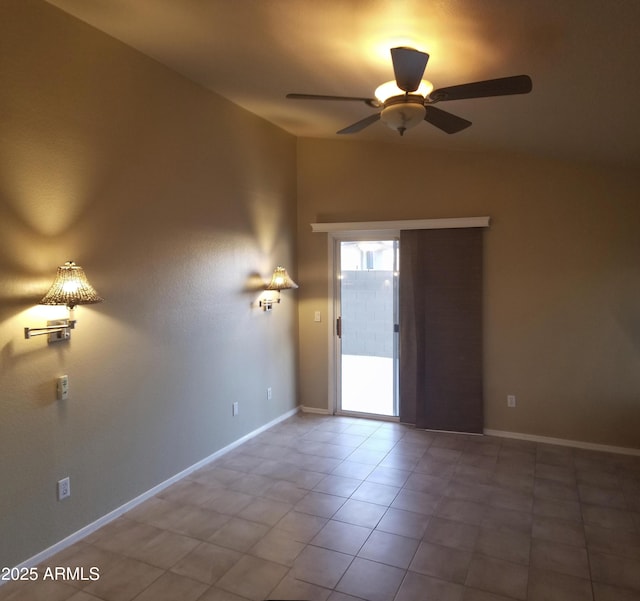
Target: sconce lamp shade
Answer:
[[71, 288], [281, 280]]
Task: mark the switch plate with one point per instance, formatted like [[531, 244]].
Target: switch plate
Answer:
[[511, 400], [234, 409], [64, 488], [62, 388], [316, 317], [269, 393]]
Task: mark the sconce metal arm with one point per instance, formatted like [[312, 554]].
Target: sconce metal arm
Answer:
[[60, 326]]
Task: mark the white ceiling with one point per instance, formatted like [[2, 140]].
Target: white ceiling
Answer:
[[582, 55]]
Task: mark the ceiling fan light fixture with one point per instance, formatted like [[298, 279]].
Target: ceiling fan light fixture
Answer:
[[390, 89], [403, 115]]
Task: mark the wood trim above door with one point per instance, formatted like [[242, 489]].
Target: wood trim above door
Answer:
[[355, 227]]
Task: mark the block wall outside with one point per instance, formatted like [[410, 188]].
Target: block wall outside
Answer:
[[367, 313]]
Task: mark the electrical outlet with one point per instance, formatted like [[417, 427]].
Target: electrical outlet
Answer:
[[64, 488], [511, 400], [62, 388], [269, 393], [234, 409]]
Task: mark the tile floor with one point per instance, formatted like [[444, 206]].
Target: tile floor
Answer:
[[339, 509]]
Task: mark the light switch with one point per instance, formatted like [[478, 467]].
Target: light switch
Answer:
[[316, 317]]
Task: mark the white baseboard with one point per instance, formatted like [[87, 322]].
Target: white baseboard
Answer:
[[578, 444], [109, 517], [314, 410]]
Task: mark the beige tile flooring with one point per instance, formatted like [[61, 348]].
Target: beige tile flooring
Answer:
[[340, 508]]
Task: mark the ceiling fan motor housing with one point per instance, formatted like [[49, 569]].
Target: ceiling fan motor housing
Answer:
[[403, 112]]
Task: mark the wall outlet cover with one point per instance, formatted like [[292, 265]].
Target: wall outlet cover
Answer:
[[62, 388], [64, 488]]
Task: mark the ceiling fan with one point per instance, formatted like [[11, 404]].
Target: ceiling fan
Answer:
[[409, 99]]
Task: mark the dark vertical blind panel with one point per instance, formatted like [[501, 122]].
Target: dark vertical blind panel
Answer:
[[441, 329]]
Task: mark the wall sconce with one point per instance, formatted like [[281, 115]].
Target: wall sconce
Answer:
[[280, 280], [70, 288]]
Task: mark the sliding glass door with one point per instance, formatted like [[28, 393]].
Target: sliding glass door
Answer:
[[367, 326]]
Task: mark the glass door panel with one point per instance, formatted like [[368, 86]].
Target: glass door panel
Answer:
[[367, 326]]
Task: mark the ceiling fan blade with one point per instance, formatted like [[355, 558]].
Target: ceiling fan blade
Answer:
[[447, 122], [408, 67], [360, 125], [518, 84], [322, 97]]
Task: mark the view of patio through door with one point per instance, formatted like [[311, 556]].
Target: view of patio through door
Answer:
[[367, 326]]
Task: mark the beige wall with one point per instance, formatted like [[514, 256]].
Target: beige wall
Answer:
[[562, 274], [174, 200]]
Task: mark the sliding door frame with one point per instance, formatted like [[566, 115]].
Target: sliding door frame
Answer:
[[335, 342]]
